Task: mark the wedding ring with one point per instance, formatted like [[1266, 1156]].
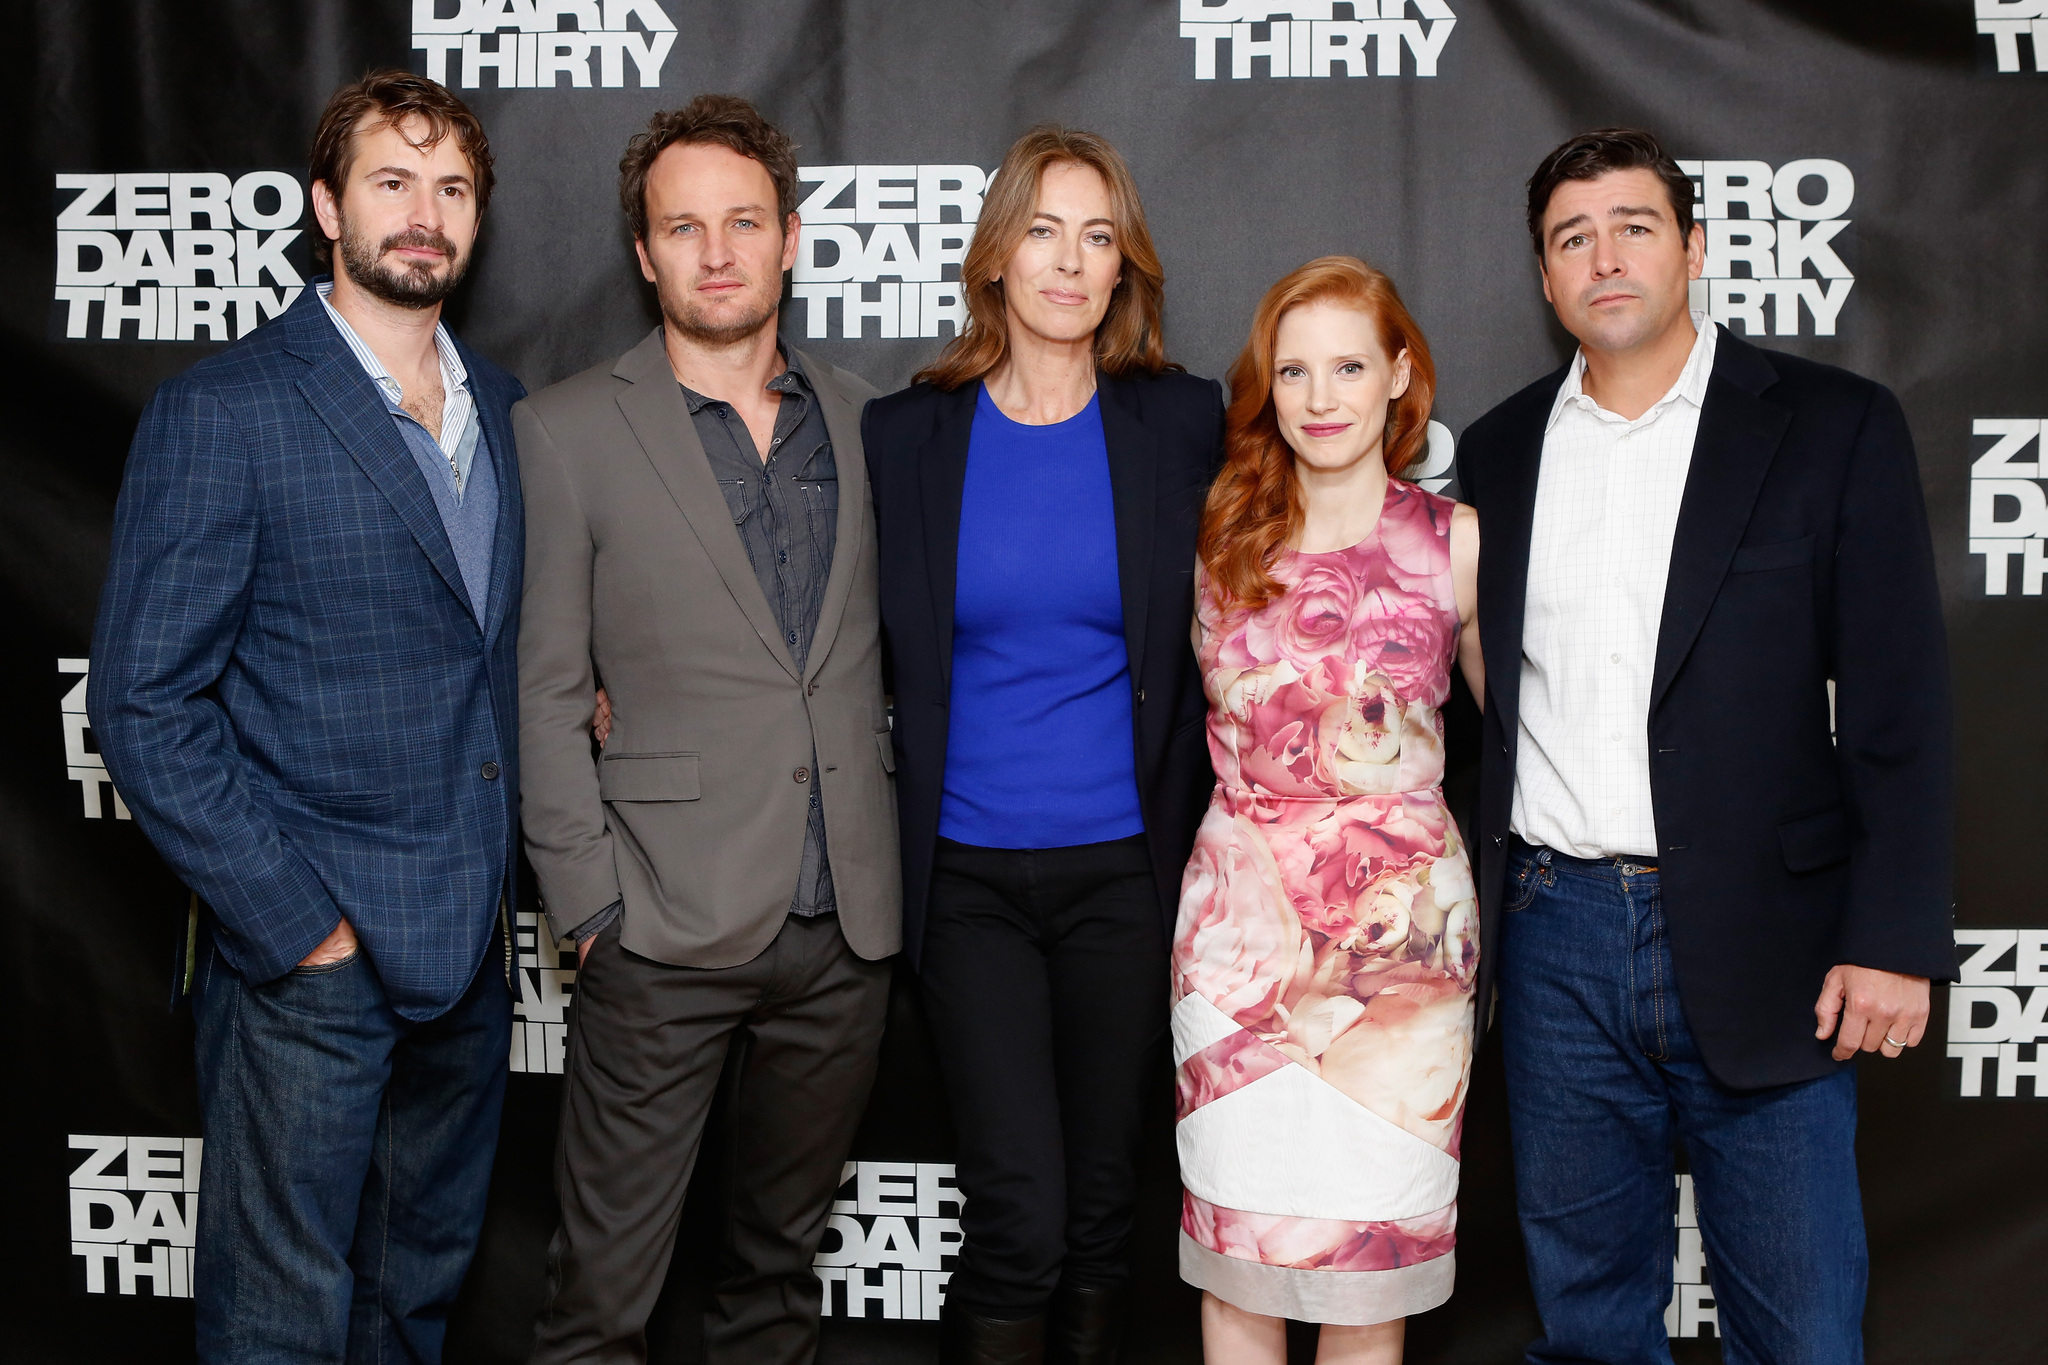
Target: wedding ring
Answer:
[[1893, 1041]]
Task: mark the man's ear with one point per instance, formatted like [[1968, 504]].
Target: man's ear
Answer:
[[792, 232], [646, 266], [326, 211], [1542, 271], [1695, 252]]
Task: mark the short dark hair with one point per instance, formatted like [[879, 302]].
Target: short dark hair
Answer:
[[1592, 155], [718, 120], [391, 97]]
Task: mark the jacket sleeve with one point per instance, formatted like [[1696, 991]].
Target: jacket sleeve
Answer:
[[1892, 710], [562, 814], [186, 535]]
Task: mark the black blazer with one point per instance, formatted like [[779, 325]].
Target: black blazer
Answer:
[[1802, 556], [1165, 439]]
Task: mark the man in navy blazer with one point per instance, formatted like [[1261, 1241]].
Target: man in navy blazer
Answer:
[[303, 684], [1715, 790]]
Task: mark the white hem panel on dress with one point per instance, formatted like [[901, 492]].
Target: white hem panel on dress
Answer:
[[1346, 1298], [1292, 1144], [1196, 1024]]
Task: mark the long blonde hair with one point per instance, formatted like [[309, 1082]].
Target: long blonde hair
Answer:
[[1130, 340]]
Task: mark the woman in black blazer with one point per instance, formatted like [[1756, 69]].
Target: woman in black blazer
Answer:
[[1038, 493]]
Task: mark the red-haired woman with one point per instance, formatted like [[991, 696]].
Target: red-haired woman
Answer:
[[1324, 959]]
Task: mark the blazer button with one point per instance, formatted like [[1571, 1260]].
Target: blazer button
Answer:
[[1141, 696], [490, 772], [801, 775]]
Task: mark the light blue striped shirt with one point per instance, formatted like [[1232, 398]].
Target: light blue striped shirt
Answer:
[[457, 438]]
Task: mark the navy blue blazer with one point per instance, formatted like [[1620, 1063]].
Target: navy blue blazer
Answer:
[[289, 685], [1802, 557], [1165, 440]]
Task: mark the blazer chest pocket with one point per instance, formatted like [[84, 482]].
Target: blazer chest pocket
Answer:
[[1815, 841], [1781, 554], [648, 777]]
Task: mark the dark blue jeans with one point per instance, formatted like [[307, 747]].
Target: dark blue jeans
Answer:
[[1603, 1079], [348, 1153]]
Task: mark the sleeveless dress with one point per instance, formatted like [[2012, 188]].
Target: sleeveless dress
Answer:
[[1328, 939]]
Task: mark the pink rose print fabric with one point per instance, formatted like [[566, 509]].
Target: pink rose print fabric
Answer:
[[1328, 939]]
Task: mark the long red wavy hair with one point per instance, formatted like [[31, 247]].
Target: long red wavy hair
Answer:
[[1255, 507]]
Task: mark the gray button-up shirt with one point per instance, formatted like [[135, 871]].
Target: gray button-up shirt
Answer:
[[786, 509]]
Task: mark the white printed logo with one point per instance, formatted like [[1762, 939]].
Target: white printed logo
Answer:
[[885, 1247], [131, 254], [538, 52], [540, 1016], [1995, 1012], [1781, 236], [1307, 38], [1692, 1294], [2005, 22], [900, 231], [134, 1203], [82, 765], [2001, 481]]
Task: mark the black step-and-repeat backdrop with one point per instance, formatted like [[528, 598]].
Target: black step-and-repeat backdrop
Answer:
[[1873, 179]]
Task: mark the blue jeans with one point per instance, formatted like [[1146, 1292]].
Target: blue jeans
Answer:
[[348, 1153], [1603, 1076]]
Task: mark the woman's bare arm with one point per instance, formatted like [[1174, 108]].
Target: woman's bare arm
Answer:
[[1465, 583]]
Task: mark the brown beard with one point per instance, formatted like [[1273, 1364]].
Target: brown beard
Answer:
[[408, 286]]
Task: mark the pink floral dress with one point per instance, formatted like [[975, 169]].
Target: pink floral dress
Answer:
[[1328, 938]]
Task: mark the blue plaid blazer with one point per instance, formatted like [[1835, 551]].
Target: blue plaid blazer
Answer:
[[289, 685]]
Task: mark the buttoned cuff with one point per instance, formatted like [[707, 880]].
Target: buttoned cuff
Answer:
[[597, 923]]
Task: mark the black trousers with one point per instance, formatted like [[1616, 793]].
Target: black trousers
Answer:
[[645, 1055], [1044, 976]]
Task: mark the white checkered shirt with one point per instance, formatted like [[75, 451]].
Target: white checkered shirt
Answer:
[[1607, 502]]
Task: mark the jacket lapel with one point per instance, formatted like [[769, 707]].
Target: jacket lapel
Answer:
[[942, 481], [344, 398], [507, 543], [1739, 432], [660, 419], [1506, 520], [1133, 475], [842, 424]]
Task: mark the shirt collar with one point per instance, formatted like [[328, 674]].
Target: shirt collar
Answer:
[[791, 380], [1691, 384], [454, 373]]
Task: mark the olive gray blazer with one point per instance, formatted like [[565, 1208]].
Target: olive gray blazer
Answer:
[[636, 578]]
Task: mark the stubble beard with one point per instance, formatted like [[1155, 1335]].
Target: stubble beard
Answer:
[[418, 285], [689, 318]]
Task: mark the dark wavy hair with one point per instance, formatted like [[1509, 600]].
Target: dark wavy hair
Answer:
[[387, 99], [717, 120], [1592, 155]]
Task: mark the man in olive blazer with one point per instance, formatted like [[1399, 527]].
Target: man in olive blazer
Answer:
[[694, 813], [703, 550]]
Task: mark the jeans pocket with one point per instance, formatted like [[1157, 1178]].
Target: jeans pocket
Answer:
[[1523, 879], [325, 968]]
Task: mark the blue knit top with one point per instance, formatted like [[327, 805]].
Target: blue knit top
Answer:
[[1039, 752]]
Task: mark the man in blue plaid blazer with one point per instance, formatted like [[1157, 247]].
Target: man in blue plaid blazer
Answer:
[[303, 683]]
